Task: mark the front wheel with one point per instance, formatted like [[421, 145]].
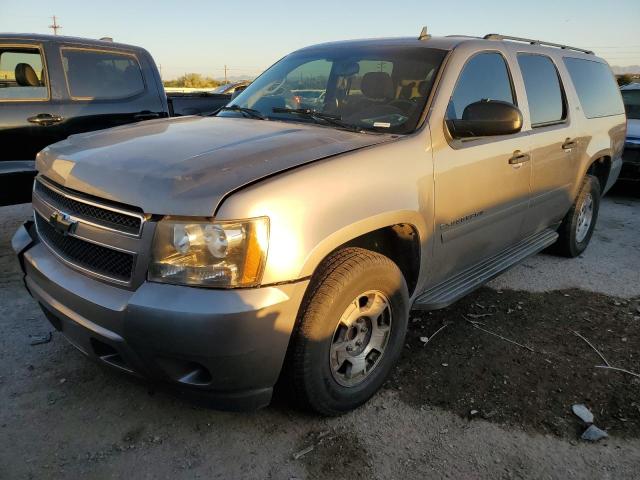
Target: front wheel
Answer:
[[350, 331], [578, 225]]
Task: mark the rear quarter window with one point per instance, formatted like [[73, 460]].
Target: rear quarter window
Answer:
[[96, 74], [596, 87]]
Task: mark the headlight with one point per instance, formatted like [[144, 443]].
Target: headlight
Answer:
[[209, 253]]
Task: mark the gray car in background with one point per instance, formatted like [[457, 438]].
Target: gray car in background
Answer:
[[288, 239]]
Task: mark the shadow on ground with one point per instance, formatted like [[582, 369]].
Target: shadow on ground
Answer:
[[465, 369]]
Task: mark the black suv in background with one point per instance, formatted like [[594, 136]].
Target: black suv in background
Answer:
[[52, 87]]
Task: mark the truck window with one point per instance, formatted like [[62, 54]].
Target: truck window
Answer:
[[544, 92], [596, 87], [22, 75], [631, 99], [96, 74], [484, 77]]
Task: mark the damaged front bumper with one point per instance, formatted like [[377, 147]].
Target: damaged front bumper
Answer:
[[225, 345]]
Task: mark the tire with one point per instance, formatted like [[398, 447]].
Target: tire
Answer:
[[574, 237], [349, 282]]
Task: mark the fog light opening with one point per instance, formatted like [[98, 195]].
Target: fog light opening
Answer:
[[186, 372]]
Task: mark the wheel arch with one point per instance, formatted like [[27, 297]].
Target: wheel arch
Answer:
[[600, 167], [398, 237]]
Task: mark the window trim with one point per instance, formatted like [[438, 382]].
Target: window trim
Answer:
[[43, 57], [563, 93], [101, 50]]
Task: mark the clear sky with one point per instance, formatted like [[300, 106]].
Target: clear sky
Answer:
[[249, 35]]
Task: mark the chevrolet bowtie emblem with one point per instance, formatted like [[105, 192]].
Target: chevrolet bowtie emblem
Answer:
[[62, 223]]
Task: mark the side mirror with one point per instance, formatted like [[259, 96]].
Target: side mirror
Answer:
[[486, 118], [238, 91]]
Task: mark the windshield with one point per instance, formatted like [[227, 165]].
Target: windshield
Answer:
[[376, 88], [631, 99]]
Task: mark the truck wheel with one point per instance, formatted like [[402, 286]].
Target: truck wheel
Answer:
[[577, 227], [350, 332]]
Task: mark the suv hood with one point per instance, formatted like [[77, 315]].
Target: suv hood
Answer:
[[187, 165]]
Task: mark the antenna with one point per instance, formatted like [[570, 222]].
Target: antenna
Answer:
[[424, 35], [54, 26]]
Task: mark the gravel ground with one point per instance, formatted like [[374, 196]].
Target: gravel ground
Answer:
[[65, 417]]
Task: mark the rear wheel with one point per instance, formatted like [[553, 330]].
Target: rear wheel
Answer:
[[578, 225], [350, 332]]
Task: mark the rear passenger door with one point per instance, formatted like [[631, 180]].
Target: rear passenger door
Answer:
[[106, 88], [481, 184], [553, 143]]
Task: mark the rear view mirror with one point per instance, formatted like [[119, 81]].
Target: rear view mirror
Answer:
[[486, 118]]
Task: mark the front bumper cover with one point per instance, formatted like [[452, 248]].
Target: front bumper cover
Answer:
[[227, 344]]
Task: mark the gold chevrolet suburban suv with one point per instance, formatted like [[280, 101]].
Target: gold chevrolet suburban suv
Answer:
[[289, 235]]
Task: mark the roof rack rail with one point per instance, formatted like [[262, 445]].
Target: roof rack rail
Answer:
[[497, 36]]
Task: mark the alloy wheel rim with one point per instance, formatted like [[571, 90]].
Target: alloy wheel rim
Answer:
[[585, 217], [360, 338]]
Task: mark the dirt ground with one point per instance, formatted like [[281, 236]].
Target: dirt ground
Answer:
[[466, 404]]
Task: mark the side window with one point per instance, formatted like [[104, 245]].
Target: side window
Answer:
[[544, 92], [484, 77], [631, 99], [597, 89], [22, 75], [93, 74]]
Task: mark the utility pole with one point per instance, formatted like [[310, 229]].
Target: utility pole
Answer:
[[225, 75], [54, 26]]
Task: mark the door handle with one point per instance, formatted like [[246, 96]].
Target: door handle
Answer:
[[45, 119], [518, 158], [569, 144], [146, 116]]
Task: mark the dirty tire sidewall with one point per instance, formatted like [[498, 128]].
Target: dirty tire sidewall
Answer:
[[567, 243], [342, 277]]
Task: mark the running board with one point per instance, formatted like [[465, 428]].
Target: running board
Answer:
[[451, 290]]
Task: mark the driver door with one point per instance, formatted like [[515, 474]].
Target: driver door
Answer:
[[481, 184]]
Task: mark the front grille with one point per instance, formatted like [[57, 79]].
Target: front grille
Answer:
[[101, 216], [96, 258]]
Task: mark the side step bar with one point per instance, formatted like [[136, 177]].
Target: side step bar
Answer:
[[456, 287]]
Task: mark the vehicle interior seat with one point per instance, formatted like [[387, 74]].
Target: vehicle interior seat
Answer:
[[407, 91], [378, 91], [26, 76], [376, 87]]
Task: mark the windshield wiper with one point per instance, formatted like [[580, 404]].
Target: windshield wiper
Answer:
[[334, 120], [253, 113]]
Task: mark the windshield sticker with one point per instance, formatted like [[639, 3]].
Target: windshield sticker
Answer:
[[382, 124]]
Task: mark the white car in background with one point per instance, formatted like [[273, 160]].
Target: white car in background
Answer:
[[631, 155]]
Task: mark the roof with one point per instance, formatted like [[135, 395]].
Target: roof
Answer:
[[38, 37], [452, 41], [443, 43]]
